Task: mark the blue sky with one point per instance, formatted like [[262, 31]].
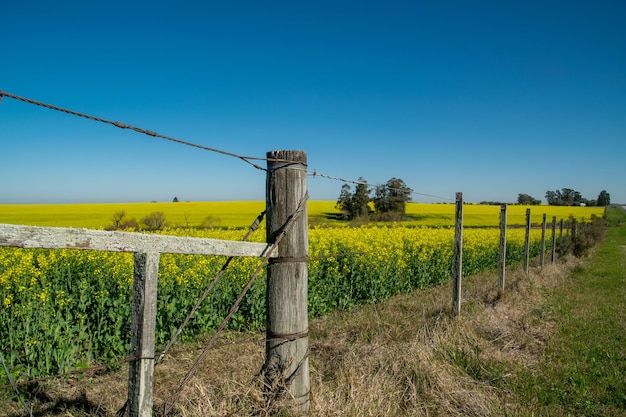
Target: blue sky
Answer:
[[490, 98]]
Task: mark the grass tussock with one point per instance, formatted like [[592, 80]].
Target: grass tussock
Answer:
[[404, 357]]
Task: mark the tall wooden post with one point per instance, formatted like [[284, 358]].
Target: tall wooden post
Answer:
[[527, 242], [502, 248], [458, 256], [542, 256], [573, 232], [553, 254], [287, 334], [143, 310]]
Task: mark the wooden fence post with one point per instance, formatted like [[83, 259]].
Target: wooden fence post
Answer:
[[458, 256], [573, 233], [542, 256], [287, 334], [527, 242], [143, 310], [553, 254], [502, 248]]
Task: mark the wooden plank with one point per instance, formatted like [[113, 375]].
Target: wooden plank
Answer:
[[113, 241], [143, 320]]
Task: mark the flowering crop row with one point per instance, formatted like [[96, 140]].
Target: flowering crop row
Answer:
[[63, 309]]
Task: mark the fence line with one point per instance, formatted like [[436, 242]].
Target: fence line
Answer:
[[147, 249], [458, 249], [291, 345], [26, 237]]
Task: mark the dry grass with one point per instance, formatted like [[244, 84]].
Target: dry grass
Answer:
[[404, 357]]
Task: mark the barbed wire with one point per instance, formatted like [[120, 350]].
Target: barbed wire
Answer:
[[251, 229], [357, 182], [246, 159], [291, 220]]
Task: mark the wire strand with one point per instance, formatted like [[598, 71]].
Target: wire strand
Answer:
[[316, 174], [246, 159]]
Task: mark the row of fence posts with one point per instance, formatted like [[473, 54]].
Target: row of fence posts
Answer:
[[286, 367], [458, 248]]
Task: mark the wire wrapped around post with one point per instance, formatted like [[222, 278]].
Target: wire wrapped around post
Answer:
[[287, 342]]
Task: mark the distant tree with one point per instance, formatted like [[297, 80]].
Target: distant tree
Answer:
[[551, 198], [210, 222], [604, 199], [564, 197], [392, 197], [175, 200], [121, 222], [589, 203], [525, 199], [361, 199], [154, 221], [344, 202], [354, 204], [118, 216]]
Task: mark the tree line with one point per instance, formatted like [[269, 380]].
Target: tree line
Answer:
[[567, 197], [387, 203]]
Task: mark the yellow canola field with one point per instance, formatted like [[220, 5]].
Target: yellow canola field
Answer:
[[69, 307], [239, 214]]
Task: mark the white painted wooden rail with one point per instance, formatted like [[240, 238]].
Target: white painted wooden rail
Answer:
[[69, 238]]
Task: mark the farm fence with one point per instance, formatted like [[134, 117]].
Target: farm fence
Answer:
[[287, 316], [287, 332], [285, 254]]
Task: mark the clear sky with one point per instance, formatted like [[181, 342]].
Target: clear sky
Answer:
[[490, 98]]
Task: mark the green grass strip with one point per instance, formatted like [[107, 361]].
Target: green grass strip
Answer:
[[584, 370]]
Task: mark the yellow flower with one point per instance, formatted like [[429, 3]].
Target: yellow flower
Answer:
[[8, 300]]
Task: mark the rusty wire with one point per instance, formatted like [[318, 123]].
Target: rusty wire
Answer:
[[246, 159], [208, 289], [330, 177], [169, 404]]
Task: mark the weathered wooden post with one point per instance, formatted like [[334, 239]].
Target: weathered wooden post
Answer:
[[542, 256], [553, 254], [287, 334], [573, 233], [143, 311], [458, 256], [502, 248], [527, 242]]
